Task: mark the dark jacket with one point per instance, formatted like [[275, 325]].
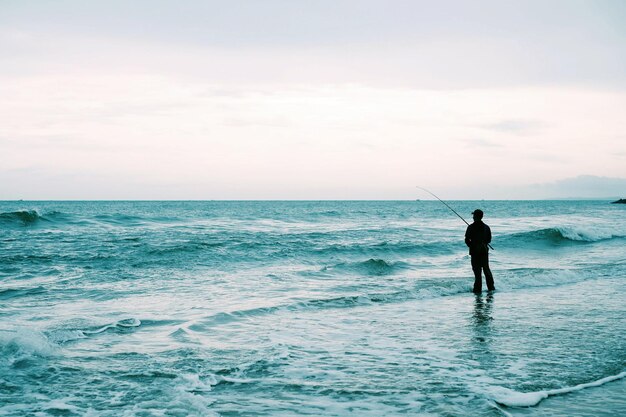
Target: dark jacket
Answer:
[[477, 236]]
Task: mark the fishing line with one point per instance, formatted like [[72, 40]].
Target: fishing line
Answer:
[[446, 204]]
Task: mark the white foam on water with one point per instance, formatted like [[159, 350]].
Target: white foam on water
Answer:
[[518, 367], [506, 281], [131, 322], [90, 412], [235, 380], [19, 344], [192, 382], [63, 336], [190, 395], [61, 404], [186, 395], [512, 398], [588, 233], [539, 279]]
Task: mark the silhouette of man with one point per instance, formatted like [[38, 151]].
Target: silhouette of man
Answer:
[[477, 239]]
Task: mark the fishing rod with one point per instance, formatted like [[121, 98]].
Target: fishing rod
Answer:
[[446, 204]]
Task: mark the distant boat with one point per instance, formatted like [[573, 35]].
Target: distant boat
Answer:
[[620, 201]]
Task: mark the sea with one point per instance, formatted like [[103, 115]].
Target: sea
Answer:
[[310, 308]]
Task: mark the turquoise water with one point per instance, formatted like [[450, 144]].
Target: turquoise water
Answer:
[[310, 308]]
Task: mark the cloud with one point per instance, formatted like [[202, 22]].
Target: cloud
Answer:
[[481, 143], [285, 142], [579, 187], [584, 186], [282, 98], [517, 126], [437, 45]]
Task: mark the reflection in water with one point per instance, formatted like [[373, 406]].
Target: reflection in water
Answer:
[[481, 320], [482, 309], [481, 323]]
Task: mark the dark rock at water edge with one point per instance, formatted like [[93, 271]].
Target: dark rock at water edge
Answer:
[[620, 201]]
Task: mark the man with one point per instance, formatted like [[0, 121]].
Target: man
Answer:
[[477, 239]]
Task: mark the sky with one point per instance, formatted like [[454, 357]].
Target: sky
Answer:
[[326, 99]]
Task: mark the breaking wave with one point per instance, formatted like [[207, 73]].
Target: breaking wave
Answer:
[[562, 234], [21, 217], [21, 344], [34, 217], [375, 267]]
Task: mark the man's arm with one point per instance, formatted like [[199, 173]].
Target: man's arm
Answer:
[[488, 235], [468, 241]]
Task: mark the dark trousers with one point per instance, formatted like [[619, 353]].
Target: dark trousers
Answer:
[[480, 262]]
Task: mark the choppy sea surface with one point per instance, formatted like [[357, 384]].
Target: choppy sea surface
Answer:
[[310, 308]]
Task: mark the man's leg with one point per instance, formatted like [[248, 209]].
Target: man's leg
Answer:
[[478, 279], [488, 274]]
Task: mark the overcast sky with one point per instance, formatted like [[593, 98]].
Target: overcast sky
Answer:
[[295, 99]]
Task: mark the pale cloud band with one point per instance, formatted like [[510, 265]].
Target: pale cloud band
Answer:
[[211, 101]]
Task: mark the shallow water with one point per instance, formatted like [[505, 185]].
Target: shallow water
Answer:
[[309, 308]]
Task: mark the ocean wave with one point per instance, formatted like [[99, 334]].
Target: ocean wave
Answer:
[[561, 234], [184, 247], [512, 398], [264, 246], [507, 281], [120, 324], [376, 267], [21, 344], [384, 247], [443, 288], [326, 213], [120, 219], [30, 258], [33, 217], [68, 334], [21, 217], [21, 292], [61, 336]]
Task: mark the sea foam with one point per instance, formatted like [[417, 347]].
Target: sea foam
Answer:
[[23, 344], [512, 398]]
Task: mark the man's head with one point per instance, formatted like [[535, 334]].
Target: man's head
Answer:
[[477, 214]]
